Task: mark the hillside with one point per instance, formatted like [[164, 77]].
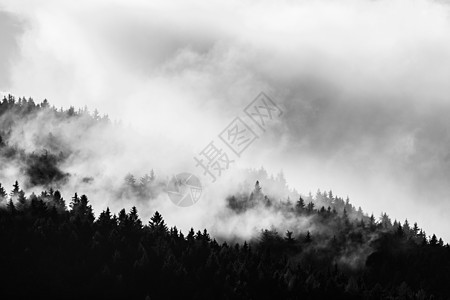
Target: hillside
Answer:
[[322, 247]]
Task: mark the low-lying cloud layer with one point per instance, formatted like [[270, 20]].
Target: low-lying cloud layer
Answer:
[[364, 86]]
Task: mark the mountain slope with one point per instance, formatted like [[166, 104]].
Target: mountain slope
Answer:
[[297, 247]]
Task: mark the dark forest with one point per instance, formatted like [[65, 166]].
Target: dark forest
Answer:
[[55, 248]]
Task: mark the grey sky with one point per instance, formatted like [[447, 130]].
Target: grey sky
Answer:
[[10, 30], [365, 84]]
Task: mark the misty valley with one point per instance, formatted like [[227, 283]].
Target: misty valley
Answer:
[[60, 239]]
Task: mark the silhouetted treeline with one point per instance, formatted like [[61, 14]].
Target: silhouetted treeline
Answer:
[[144, 188], [23, 107], [50, 249], [40, 167], [327, 249]]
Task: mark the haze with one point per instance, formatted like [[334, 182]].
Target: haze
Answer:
[[364, 86]]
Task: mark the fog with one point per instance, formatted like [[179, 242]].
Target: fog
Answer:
[[363, 86]]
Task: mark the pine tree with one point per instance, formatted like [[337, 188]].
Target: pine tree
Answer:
[[424, 240], [310, 197], [174, 231], [11, 207], [318, 196], [82, 209], [360, 212], [406, 228], [289, 239], [415, 228], [145, 185], [345, 214], [385, 221], [3, 193], [396, 224], [372, 221], [362, 224], [300, 205], [345, 218], [75, 201], [122, 217], [105, 222], [288, 202], [191, 235], [400, 231], [205, 236], [256, 194], [134, 218], [21, 199], [16, 189], [433, 240], [130, 180], [145, 180], [59, 201], [45, 104], [257, 190], [157, 224]]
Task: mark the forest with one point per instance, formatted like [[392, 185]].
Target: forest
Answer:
[[53, 248]]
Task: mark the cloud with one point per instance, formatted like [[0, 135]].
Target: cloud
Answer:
[[11, 29], [364, 85]]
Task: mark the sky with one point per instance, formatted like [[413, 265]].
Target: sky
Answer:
[[364, 86]]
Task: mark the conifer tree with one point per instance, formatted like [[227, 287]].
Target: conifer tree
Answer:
[[59, 201], [300, 205], [3, 193], [15, 191], [134, 218], [288, 238], [157, 224], [415, 229], [21, 199], [433, 240], [11, 207]]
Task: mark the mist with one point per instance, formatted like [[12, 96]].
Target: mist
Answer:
[[363, 86]]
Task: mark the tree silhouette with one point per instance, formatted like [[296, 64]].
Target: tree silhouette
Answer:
[[116, 257], [289, 239], [15, 191], [300, 205], [49, 251], [3, 193], [157, 224]]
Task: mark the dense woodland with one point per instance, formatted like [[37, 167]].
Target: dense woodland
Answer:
[[41, 168], [53, 248]]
